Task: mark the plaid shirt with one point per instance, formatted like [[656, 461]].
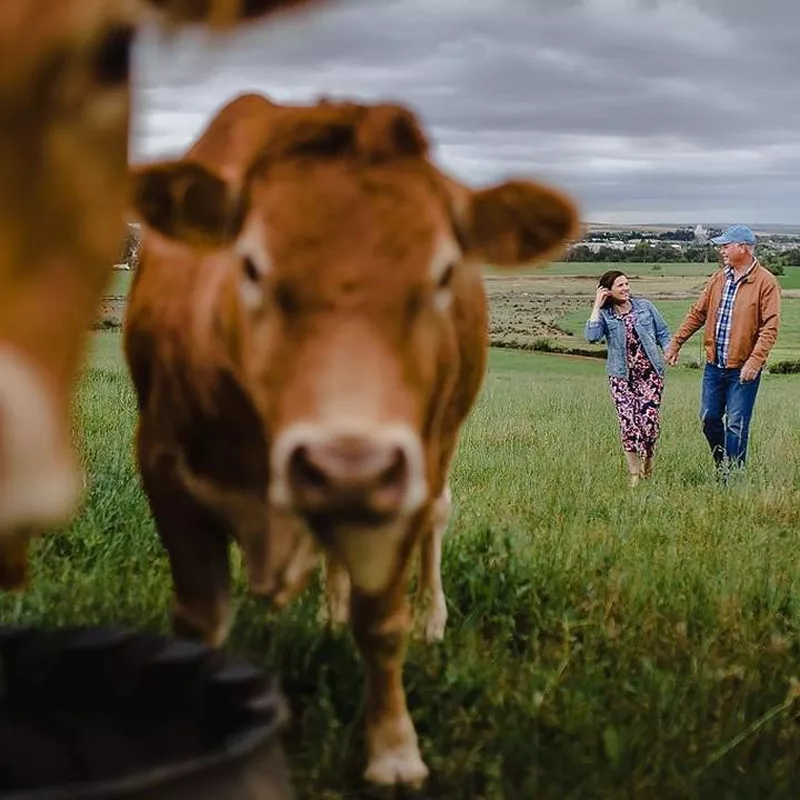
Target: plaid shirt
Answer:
[[725, 313]]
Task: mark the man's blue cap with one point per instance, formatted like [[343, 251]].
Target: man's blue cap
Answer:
[[736, 234]]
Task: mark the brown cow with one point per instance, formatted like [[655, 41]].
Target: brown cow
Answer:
[[64, 93], [306, 332]]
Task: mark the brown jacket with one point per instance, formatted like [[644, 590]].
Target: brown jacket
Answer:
[[754, 326]]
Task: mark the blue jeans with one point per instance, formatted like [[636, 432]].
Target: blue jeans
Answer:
[[726, 409]]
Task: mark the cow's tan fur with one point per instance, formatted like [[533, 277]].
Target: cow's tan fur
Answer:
[[309, 279]]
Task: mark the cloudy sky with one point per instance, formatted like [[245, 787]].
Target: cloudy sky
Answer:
[[678, 111]]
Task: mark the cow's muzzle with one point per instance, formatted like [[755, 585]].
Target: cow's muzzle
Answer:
[[40, 484], [348, 475]]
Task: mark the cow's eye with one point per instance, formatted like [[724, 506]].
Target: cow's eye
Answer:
[[443, 292], [252, 293], [250, 270], [447, 276], [111, 59]]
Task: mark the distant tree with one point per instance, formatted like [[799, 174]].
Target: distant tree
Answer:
[[641, 252], [579, 252], [613, 255], [701, 253], [774, 266], [678, 235], [791, 258], [770, 259]]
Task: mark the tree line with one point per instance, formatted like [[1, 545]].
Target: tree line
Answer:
[[641, 252], [644, 252]]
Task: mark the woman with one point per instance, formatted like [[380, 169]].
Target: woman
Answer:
[[634, 331]]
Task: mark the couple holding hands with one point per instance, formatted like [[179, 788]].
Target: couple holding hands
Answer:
[[740, 308]]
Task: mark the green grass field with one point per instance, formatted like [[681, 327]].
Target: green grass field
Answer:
[[661, 269], [790, 280], [786, 347], [603, 642], [120, 280], [583, 268], [119, 283]]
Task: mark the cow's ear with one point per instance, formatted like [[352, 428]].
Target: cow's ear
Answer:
[[184, 201], [515, 223]]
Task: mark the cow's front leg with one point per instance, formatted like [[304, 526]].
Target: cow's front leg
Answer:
[[380, 627], [280, 556], [198, 550], [201, 579], [14, 565], [430, 604]]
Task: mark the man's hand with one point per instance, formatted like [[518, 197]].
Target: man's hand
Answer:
[[748, 373], [671, 353]]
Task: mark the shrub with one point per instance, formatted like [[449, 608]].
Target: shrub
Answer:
[[544, 346], [785, 367]]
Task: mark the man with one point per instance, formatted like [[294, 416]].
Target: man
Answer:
[[740, 307]]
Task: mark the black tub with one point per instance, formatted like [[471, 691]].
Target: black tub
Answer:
[[99, 713]]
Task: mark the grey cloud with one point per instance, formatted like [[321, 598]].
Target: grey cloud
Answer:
[[654, 109]]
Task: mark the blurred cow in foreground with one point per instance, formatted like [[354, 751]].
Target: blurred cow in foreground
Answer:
[[64, 97]]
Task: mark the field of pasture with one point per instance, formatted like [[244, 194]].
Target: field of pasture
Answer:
[[546, 309], [603, 642]]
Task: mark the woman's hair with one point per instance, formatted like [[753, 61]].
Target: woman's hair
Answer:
[[607, 281]]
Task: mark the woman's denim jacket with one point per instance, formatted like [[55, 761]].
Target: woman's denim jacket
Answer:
[[650, 326]]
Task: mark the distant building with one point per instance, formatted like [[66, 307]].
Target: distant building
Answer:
[[608, 244], [700, 234]]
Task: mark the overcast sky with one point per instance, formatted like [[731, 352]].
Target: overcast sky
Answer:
[[677, 111]]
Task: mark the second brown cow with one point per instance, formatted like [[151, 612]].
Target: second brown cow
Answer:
[[307, 332]]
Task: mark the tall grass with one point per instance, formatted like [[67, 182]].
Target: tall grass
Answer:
[[603, 642]]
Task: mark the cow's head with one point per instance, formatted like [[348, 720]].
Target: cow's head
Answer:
[[64, 97], [351, 260]]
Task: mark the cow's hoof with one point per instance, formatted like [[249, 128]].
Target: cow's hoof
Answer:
[[435, 624], [431, 624], [334, 617], [399, 765]]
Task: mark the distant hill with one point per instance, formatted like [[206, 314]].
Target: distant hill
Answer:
[[763, 228]]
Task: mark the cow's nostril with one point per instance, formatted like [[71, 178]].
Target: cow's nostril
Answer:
[[348, 475], [304, 472], [395, 473]]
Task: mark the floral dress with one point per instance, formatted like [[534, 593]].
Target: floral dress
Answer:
[[637, 397]]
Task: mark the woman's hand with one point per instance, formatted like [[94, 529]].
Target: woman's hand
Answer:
[[600, 297]]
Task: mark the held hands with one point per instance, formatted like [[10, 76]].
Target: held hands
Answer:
[[671, 353]]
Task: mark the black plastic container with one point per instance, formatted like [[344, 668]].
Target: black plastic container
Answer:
[[102, 713]]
